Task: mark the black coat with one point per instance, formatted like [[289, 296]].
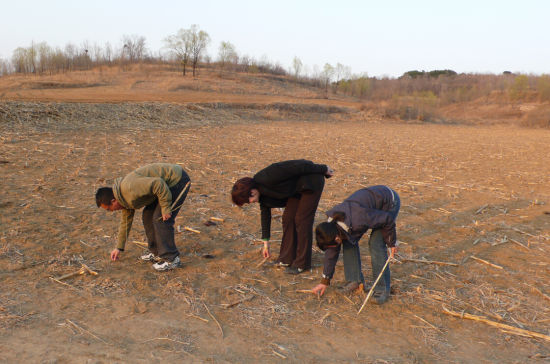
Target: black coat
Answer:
[[280, 181]]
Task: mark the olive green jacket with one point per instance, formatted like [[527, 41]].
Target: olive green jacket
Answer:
[[141, 188]]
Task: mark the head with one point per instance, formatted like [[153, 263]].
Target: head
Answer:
[[105, 198], [245, 191], [329, 234]]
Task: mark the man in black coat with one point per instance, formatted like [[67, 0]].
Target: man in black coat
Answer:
[[297, 186]]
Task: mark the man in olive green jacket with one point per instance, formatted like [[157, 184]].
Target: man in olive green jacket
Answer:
[[160, 188]]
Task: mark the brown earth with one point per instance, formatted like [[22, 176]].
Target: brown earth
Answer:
[[466, 191]]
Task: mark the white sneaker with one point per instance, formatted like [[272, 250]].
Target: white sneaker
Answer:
[[150, 257], [165, 265]]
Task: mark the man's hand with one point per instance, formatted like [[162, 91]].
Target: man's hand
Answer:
[[166, 216], [330, 172], [115, 254], [319, 289], [265, 250], [393, 250]]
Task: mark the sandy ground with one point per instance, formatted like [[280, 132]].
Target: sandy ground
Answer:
[[465, 192]]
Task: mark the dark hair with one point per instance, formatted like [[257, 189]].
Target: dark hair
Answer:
[[240, 193], [104, 196], [326, 232]]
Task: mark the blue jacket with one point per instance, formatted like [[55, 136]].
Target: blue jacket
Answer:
[[365, 209]]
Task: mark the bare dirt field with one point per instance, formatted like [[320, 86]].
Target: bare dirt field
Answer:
[[470, 196]]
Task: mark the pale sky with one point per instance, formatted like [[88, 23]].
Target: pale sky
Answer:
[[380, 38]]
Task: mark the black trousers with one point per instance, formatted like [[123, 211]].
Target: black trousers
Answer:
[[160, 234], [298, 218]]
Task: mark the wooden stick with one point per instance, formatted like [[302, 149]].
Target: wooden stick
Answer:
[[172, 208], [228, 305], [181, 193], [305, 291], [508, 328], [538, 291], [278, 354], [65, 284], [481, 209], [87, 269], [426, 322], [191, 229], [197, 317], [213, 318], [262, 262], [520, 244], [374, 285], [166, 338], [217, 219], [69, 275], [486, 262], [86, 331], [428, 261]]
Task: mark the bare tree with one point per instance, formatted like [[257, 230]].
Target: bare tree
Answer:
[[44, 57], [342, 72], [297, 66], [134, 47], [180, 45], [326, 76], [226, 54], [70, 53], [108, 54], [199, 41], [4, 67]]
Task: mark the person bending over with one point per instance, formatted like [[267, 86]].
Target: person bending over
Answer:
[[161, 189], [297, 186], [373, 208]]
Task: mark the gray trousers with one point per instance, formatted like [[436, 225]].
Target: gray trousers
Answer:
[[378, 252], [160, 234]]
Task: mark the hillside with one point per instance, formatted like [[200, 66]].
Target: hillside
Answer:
[[275, 96]]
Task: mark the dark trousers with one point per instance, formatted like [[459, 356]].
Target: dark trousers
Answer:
[[298, 219], [160, 234], [379, 251]]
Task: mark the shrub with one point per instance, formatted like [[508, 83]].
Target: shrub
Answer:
[[538, 118]]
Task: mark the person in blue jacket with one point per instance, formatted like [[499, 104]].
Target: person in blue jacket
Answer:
[[375, 208]]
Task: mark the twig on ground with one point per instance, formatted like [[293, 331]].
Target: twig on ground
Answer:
[[507, 328], [486, 262], [86, 331], [538, 291], [520, 244], [141, 244], [191, 229], [427, 323], [278, 354], [228, 305], [65, 284], [305, 291], [213, 318], [262, 262], [254, 279], [197, 317], [168, 339], [481, 209], [428, 261]]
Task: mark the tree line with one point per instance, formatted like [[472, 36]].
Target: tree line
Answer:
[[187, 49]]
